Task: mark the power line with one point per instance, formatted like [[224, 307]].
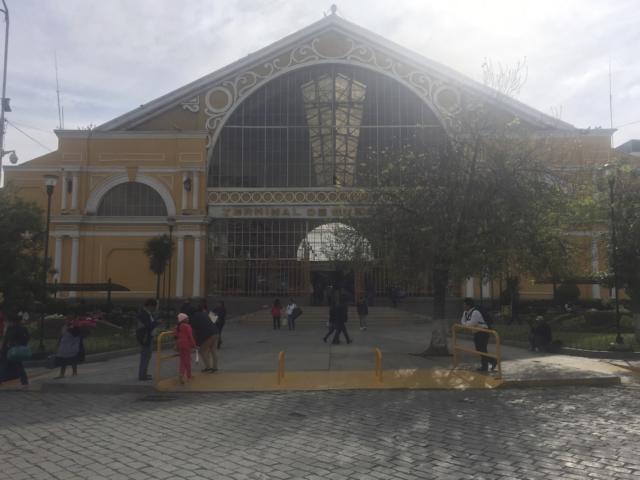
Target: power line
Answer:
[[29, 136], [627, 124]]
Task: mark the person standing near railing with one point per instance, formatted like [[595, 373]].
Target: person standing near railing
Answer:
[[472, 317]]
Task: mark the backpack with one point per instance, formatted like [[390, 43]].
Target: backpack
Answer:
[[486, 315]]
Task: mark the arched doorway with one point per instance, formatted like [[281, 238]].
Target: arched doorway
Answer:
[[336, 256]]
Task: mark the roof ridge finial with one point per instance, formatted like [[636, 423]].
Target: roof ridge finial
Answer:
[[334, 9]]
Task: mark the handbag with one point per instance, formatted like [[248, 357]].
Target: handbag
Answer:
[[19, 353]]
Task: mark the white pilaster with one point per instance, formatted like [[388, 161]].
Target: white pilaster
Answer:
[[75, 247], [486, 288], [180, 268], [195, 189], [183, 204], [469, 288], [74, 191], [63, 194], [595, 267], [57, 262], [196, 266]]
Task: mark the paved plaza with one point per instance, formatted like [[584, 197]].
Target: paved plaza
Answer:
[[569, 433]]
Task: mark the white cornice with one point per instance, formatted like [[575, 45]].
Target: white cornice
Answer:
[[90, 169], [132, 134]]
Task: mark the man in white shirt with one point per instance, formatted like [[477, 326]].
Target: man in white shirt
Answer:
[[472, 317]]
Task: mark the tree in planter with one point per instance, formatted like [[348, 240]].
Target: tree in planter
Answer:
[[159, 250], [21, 240]]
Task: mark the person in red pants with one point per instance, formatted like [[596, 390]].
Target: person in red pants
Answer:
[[185, 343]]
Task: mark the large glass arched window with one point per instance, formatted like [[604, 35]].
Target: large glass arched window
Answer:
[[132, 199], [326, 125]]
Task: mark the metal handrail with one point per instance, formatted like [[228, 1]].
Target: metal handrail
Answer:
[[159, 357], [497, 356], [280, 372], [378, 360]]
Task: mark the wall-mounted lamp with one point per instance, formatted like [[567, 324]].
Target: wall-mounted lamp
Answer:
[[187, 184], [69, 183]]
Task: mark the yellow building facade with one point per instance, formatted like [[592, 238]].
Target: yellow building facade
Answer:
[[248, 165]]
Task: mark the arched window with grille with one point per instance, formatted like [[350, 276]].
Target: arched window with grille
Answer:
[[132, 199]]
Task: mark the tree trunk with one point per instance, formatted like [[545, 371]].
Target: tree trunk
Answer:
[[438, 345], [157, 287], [635, 311]]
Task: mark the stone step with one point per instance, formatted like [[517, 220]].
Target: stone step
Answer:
[[315, 315]]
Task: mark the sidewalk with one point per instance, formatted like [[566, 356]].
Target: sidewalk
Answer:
[[248, 362]]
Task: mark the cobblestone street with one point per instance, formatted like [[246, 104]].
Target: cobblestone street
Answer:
[[568, 433]]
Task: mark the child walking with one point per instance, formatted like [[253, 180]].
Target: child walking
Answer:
[[185, 343]]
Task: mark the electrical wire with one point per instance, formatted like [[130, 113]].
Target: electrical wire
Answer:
[[29, 136]]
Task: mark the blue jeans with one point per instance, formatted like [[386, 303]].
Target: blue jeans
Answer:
[[291, 322]]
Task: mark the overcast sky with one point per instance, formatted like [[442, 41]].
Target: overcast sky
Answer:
[[114, 55]]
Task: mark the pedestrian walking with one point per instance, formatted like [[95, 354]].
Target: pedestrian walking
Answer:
[[15, 349], [144, 335], [185, 343], [291, 311], [363, 311], [205, 333], [276, 313], [340, 316], [70, 349], [330, 324], [220, 311], [3, 321], [472, 317]]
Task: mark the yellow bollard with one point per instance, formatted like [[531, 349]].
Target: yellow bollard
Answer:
[[280, 367], [378, 362]]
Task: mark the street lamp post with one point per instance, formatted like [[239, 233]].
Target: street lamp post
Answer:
[[50, 184], [4, 105], [610, 172], [172, 222]]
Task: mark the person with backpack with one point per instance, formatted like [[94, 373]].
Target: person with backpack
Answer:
[[15, 349], [144, 335], [205, 333], [472, 317]]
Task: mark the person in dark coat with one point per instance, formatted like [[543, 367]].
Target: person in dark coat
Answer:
[[340, 316], [15, 335], [221, 312], [144, 334], [363, 311], [187, 308], [540, 336], [206, 333], [70, 349]]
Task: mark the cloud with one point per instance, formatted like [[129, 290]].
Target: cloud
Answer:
[[115, 55]]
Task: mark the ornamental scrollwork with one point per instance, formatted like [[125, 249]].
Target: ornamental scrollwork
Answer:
[[438, 93]]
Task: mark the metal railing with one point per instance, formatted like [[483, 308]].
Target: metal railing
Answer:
[[280, 372], [159, 357], [456, 348], [378, 360]]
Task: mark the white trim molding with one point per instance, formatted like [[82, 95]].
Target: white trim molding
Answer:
[[96, 195]]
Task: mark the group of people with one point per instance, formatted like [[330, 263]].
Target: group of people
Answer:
[[198, 328], [292, 310]]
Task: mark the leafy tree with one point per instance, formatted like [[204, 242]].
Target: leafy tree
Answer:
[[159, 250], [626, 222], [21, 239]]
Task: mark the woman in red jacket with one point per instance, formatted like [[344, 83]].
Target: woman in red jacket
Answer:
[[185, 343]]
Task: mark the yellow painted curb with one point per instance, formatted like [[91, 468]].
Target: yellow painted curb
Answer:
[[436, 378]]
